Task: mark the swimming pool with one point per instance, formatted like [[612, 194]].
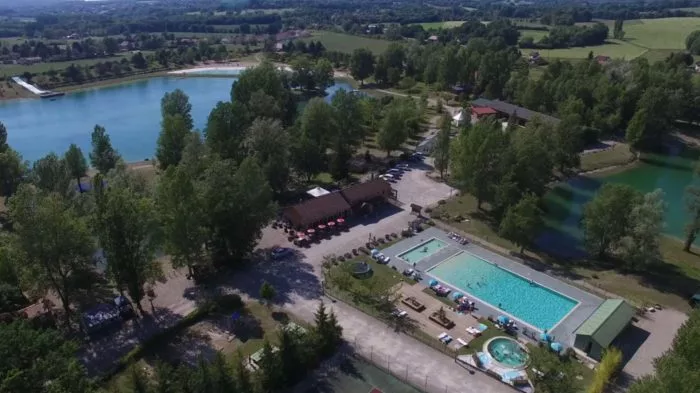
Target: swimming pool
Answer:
[[422, 250], [534, 304]]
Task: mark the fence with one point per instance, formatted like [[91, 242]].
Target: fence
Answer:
[[404, 372]]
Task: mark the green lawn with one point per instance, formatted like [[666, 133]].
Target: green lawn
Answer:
[[477, 344], [535, 34], [17, 69], [348, 43], [620, 154], [441, 25], [665, 33], [614, 48]]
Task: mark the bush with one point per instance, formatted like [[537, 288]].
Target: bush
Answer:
[[381, 240], [368, 245], [394, 235], [428, 210], [442, 202], [364, 250], [348, 255], [341, 258], [387, 236], [354, 251], [607, 369], [407, 83], [406, 233]]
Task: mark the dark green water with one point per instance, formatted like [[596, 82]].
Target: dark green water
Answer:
[[672, 173], [130, 112]]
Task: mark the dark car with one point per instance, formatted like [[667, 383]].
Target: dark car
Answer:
[[280, 253]]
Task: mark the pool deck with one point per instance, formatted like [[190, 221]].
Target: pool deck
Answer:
[[563, 332]]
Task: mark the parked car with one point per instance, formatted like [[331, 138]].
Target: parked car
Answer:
[[280, 253]]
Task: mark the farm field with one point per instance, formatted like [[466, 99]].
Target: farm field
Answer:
[[347, 43], [441, 25], [16, 69], [614, 48], [535, 34]]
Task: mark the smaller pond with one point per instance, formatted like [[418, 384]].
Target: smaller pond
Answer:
[[507, 352]]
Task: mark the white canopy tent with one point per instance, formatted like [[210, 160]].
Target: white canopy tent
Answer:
[[317, 192], [458, 118]]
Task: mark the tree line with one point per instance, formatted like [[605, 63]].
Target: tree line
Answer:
[[569, 36]]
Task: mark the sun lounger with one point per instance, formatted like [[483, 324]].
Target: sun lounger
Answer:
[[473, 331], [442, 336], [462, 343]]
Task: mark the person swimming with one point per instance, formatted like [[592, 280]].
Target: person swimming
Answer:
[[425, 249]]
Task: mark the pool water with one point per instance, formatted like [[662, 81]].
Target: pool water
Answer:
[[422, 251], [531, 303], [508, 352]]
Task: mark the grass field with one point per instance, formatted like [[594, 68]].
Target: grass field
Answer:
[[614, 48], [441, 25], [348, 43], [16, 69], [535, 34], [653, 39]]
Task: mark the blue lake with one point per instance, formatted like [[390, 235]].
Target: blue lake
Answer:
[[130, 112]]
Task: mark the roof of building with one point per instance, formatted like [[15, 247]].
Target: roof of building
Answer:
[[510, 109], [611, 317], [363, 192], [483, 110], [316, 209]]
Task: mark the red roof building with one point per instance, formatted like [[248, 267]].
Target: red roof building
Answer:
[[479, 112]]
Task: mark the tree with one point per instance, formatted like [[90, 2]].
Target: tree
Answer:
[[226, 128], [361, 64], [327, 330], [238, 204], [322, 74], [244, 383], [12, 172], [555, 375], [609, 366], [171, 140], [182, 217], [76, 163], [640, 247], [441, 151], [139, 61], [692, 202], [39, 360], [270, 375], [50, 173], [307, 157], [103, 156], [291, 357], [392, 134], [128, 232], [637, 128], [177, 103], [692, 42], [138, 381], [347, 108], [318, 123], [271, 81], [268, 142], [522, 222], [618, 33], [53, 244], [267, 292], [606, 218]]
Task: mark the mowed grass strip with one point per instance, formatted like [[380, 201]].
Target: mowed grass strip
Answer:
[[664, 33], [441, 25], [614, 48], [347, 43]]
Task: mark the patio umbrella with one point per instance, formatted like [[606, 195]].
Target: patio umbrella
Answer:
[[456, 296], [340, 221], [503, 320], [310, 230], [545, 337], [556, 347], [433, 283], [374, 251]]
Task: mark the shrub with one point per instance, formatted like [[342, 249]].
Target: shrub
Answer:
[[430, 222], [347, 255], [364, 250], [406, 233], [442, 202], [368, 245], [387, 236], [354, 251], [607, 369], [394, 235], [381, 240], [341, 258], [428, 210]]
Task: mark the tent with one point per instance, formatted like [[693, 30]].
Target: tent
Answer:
[[503, 320], [317, 192], [603, 326], [458, 118]]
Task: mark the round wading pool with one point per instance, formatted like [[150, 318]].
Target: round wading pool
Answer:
[[507, 352]]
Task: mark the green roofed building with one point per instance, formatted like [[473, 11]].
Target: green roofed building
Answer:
[[601, 328]]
